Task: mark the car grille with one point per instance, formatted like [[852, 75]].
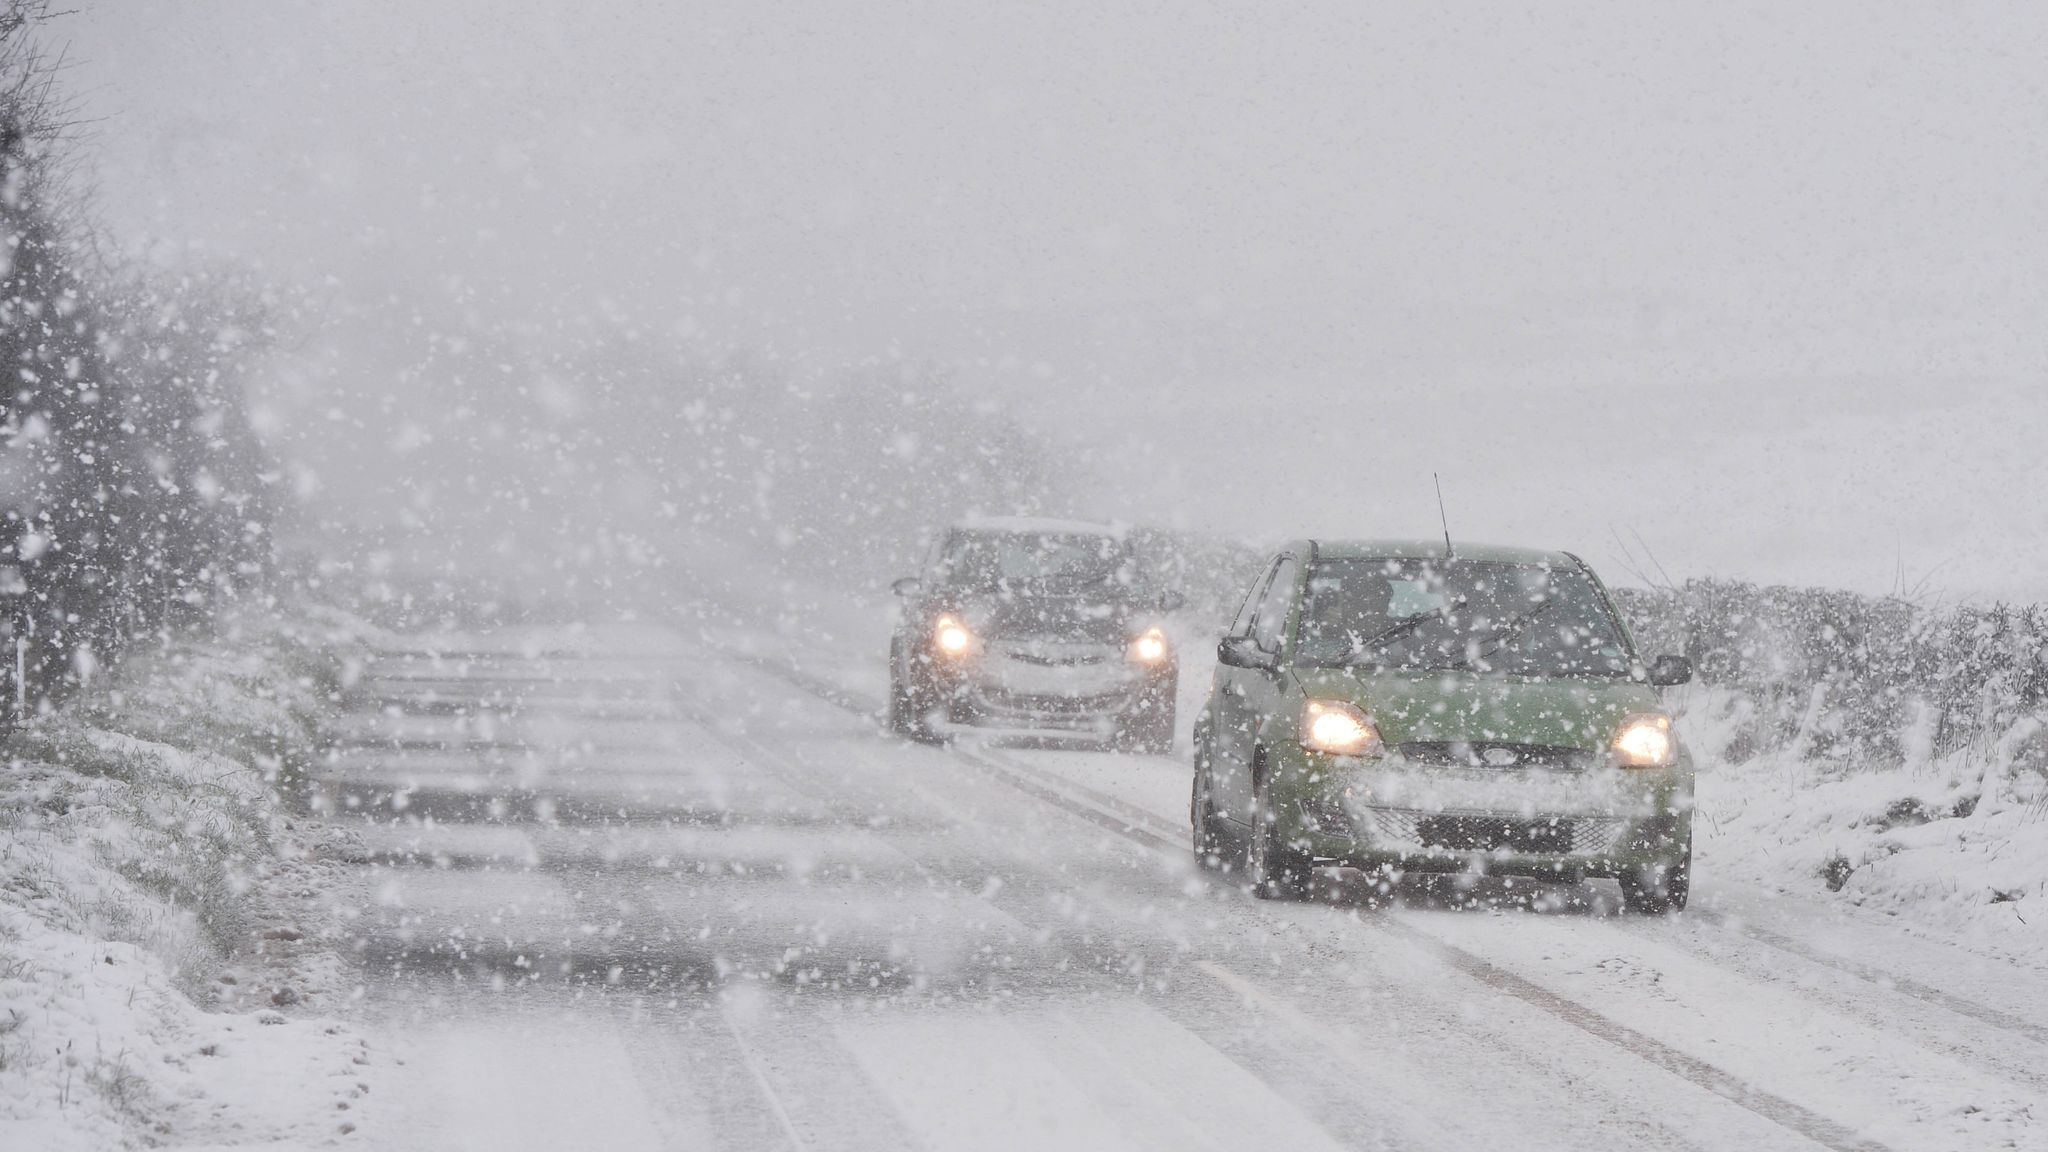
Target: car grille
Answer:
[[997, 700], [1466, 754], [1472, 832], [1056, 653]]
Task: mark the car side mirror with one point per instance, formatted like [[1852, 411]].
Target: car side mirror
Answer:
[[1172, 601], [1244, 652], [908, 586], [1670, 671]]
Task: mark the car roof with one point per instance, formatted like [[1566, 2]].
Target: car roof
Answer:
[[1433, 550], [1039, 525]]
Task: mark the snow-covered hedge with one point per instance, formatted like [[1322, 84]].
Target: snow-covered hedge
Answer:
[[133, 492], [1835, 676]]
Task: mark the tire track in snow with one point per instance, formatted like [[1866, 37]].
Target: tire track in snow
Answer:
[[1903, 985], [691, 1064], [1989, 1048], [1137, 815], [1771, 1106]]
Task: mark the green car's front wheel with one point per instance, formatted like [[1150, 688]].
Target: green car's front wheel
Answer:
[[1657, 889], [1277, 870], [1211, 843]]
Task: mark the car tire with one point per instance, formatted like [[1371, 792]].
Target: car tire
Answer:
[[906, 710], [1211, 843], [1276, 870], [1148, 727], [1148, 731], [1659, 889]]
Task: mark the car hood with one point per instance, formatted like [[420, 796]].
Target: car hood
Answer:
[[1109, 620], [1459, 707]]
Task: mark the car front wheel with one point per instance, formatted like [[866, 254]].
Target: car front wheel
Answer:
[[1277, 870], [1657, 889], [906, 707], [1211, 843], [1148, 730]]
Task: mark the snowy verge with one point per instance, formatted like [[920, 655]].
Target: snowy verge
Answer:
[[165, 961], [1952, 846]]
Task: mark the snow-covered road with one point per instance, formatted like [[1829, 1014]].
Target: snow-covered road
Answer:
[[630, 890]]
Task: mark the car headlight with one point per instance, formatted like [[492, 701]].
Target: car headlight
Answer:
[[1149, 648], [1338, 728], [1645, 741], [951, 636]]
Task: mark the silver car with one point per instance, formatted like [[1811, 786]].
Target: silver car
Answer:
[[1035, 625]]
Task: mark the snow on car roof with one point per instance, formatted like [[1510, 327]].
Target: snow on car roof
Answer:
[[1041, 525]]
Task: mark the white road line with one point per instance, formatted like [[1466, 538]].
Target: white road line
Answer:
[[761, 1081]]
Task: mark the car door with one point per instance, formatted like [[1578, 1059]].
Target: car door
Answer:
[[1227, 759], [1245, 696]]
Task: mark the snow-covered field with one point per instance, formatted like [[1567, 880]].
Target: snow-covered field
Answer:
[[169, 973]]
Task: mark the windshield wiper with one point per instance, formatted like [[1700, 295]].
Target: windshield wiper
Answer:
[[1400, 627], [1512, 627]]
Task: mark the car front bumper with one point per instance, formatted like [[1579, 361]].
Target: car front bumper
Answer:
[[1391, 816], [1090, 699]]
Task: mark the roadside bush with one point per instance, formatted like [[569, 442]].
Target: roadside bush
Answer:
[[1837, 676], [130, 482]]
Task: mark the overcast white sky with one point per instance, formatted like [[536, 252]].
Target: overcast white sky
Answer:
[[1765, 283]]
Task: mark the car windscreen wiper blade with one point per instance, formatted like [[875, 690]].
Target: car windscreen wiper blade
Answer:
[[1512, 627], [1399, 628]]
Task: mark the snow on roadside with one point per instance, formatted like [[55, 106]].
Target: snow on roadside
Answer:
[[164, 972], [1952, 847]]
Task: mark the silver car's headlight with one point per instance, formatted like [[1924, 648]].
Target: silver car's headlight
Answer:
[[1149, 648], [951, 636]]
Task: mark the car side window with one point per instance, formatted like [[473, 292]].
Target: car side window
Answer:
[[1242, 625], [935, 567], [1272, 617]]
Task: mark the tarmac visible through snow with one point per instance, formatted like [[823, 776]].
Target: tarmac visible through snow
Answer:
[[633, 889]]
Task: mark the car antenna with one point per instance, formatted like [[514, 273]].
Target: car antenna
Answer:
[[1449, 552]]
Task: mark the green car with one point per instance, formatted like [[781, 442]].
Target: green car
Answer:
[[1406, 708]]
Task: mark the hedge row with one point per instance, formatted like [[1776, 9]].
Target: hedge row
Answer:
[[1843, 677], [132, 488]]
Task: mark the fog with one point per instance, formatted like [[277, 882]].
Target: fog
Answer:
[[1759, 288]]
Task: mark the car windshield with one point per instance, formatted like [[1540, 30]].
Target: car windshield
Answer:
[[1468, 615], [1009, 559]]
